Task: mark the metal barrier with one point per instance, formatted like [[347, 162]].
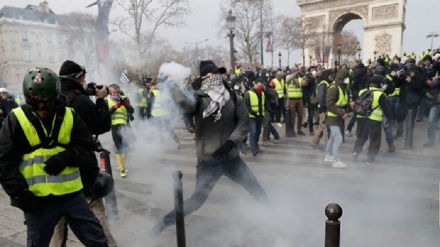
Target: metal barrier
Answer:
[[332, 225], [178, 207]]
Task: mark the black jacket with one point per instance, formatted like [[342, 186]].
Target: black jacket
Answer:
[[96, 116], [7, 105], [14, 144]]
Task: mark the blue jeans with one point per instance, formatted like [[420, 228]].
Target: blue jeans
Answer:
[[255, 125], [387, 129], [334, 141], [434, 114]]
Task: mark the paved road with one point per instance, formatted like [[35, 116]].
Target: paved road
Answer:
[[394, 203]]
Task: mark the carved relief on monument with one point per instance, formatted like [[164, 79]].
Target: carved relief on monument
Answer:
[[383, 43], [362, 11], [385, 12], [319, 5], [315, 22], [299, 2]]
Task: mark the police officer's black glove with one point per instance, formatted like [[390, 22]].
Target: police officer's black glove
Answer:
[[59, 162], [223, 149], [27, 202]]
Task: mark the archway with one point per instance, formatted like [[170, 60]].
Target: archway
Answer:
[[384, 23]]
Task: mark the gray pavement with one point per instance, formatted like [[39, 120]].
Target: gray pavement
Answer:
[[394, 203]]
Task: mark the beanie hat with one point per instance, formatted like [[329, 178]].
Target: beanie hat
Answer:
[[377, 80], [72, 69], [208, 66]]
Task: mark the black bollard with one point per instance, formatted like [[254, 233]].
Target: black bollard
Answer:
[[110, 200], [410, 129], [332, 225], [178, 207], [289, 132]]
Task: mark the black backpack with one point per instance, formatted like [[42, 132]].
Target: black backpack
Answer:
[[363, 105]]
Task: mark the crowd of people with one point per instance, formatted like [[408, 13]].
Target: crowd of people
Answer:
[[48, 164]]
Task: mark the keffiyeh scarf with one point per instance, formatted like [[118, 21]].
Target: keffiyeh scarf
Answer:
[[213, 86]]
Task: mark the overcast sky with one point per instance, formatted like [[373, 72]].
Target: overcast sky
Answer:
[[203, 22]]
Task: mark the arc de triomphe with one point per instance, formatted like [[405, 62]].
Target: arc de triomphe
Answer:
[[383, 22]]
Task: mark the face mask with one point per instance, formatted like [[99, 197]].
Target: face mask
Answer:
[[314, 73], [346, 80], [236, 87], [412, 74], [393, 73], [258, 90]]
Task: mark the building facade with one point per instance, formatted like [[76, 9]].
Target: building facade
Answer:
[[29, 37]]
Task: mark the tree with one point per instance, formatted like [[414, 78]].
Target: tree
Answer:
[[349, 44], [145, 17], [78, 33], [250, 23]]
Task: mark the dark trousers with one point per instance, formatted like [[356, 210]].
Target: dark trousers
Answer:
[[255, 125], [311, 112], [142, 112], [351, 123], [268, 128], [368, 129], [76, 210], [280, 110], [207, 176]]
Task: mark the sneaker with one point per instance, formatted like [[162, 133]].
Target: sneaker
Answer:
[[339, 164], [245, 146], [301, 133], [276, 141], [123, 173], [370, 162], [348, 133], [305, 124], [329, 158], [279, 125], [312, 133], [265, 143], [354, 156], [419, 120], [428, 144]]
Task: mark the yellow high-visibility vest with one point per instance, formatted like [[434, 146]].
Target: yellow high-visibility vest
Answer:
[[254, 101], [279, 87], [342, 100], [158, 109], [396, 90], [143, 101], [294, 89], [120, 116], [377, 114], [32, 164]]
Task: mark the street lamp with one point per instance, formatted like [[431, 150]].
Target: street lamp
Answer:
[[375, 54], [197, 48], [339, 53], [230, 22], [279, 59], [432, 36], [310, 61], [359, 50]]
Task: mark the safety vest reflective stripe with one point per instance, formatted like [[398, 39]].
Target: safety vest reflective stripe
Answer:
[[120, 116], [396, 90], [32, 164], [294, 89], [342, 101], [158, 110], [53, 179], [377, 114], [143, 101], [254, 101], [279, 87]]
